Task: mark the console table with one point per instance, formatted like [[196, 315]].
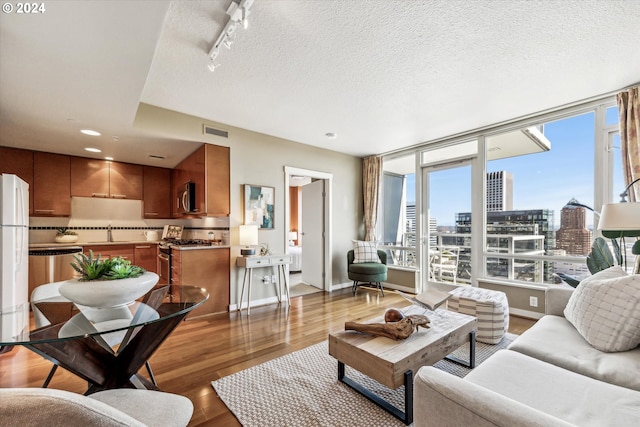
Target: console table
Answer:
[[256, 261]]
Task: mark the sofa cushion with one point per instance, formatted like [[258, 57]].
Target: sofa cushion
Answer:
[[605, 309], [554, 340], [365, 252], [572, 397]]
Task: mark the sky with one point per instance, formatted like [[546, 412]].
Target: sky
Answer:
[[546, 180]]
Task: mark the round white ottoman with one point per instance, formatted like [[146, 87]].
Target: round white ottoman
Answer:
[[490, 307]]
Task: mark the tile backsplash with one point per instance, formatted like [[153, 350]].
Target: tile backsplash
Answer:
[[91, 217]]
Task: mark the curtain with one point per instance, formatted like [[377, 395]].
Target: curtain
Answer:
[[371, 177], [629, 113]]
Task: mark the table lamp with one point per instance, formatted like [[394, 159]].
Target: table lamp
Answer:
[[293, 235], [620, 220], [248, 238]]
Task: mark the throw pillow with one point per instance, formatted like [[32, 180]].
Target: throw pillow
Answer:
[[365, 252], [605, 310]]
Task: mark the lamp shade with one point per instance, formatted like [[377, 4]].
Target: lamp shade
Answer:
[[248, 235], [620, 220], [293, 235]]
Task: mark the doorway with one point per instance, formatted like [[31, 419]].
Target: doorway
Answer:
[[308, 228]]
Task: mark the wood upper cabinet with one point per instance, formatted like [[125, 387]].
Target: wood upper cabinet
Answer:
[[51, 184], [20, 163], [89, 177], [217, 181], [101, 178], [156, 192], [208, 167], [125, 181]]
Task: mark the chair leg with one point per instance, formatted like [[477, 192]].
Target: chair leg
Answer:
[[46, 382], [354, 287], [380, 286]]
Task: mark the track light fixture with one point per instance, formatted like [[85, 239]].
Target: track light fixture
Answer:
[[238, 13]]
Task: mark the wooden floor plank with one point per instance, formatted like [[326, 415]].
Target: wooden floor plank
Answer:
[[205, 349]]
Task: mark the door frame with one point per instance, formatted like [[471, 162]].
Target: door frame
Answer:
[[328, 178]]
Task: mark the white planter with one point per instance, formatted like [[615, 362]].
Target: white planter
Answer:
[[66, 238], [108, 293]]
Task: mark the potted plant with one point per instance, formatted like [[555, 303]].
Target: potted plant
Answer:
[[108, 282], [64, 235]]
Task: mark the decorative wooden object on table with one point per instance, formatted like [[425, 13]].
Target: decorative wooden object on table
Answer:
[[395, 330]]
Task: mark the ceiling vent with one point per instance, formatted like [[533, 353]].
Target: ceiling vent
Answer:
[[217, 132], [155, 156]]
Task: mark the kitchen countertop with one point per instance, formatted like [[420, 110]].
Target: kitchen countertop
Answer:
[[200, 247], [129, 242], [66, 244]]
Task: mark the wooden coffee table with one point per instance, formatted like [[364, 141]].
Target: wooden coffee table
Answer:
[[393, 362]]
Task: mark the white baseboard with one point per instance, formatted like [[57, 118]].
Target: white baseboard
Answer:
[[256, 303], [525, 313]]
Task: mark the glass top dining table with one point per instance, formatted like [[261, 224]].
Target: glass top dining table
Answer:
[[91, 341], [73, 321]]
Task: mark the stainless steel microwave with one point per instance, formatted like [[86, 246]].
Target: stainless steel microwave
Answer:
[[186, 198]]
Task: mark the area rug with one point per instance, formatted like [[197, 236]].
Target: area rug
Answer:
[[302, 389]]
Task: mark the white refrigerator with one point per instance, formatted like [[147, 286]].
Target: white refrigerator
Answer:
[[14, 236]]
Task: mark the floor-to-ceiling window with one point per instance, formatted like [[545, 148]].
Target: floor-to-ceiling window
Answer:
[[544, 183], [398, 211]]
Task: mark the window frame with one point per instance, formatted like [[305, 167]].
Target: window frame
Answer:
[[603, 180]]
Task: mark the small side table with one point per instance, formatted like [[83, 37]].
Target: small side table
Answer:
[[257, 261]]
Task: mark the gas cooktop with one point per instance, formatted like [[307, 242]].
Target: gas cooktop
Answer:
[[184, 242]]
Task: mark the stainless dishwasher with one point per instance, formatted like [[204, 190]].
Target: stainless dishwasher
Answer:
[[51, 264]]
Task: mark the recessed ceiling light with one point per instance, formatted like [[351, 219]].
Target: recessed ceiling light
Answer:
[[93, 150], [90, 132], [331, 135], [108, 158]]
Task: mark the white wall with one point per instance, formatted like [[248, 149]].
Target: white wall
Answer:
[[260, 160]]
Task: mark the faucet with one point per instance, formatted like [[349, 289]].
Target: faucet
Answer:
[[109, 238]]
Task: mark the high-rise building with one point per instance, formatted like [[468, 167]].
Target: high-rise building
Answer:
[[573, 235], [499, 191], [501, 229]]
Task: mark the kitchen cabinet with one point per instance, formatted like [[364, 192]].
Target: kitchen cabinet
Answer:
[[208, 167], [125, 181], [207, 268], [102, 178], [18, 162], [146, 256], [156, 192], [111, 251], [51, 184]]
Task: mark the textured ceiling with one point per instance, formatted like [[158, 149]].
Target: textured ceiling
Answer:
[[380, 74]]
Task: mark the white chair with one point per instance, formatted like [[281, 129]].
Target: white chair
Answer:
[[445, 261]]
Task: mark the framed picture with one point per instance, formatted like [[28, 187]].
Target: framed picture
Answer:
[[259, 206]]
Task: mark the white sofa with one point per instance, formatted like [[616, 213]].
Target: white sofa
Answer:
[[549, 376]]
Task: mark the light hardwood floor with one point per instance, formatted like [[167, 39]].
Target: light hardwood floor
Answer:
[[202, 350]]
